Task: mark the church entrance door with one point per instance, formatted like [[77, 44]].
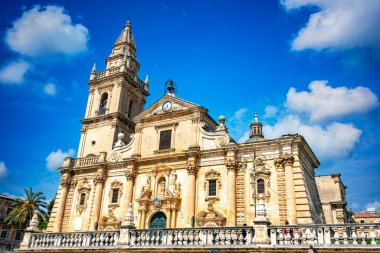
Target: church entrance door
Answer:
[[158, 220]]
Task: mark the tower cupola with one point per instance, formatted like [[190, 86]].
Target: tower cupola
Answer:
[[256, 129]]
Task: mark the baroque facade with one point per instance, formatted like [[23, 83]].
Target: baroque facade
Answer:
[[173, 163]]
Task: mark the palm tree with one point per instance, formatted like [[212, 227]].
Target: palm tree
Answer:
[[23, 208]]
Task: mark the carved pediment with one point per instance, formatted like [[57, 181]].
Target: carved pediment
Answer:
[[177, 104], [210, 218]]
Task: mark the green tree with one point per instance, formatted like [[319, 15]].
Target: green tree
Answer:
[[23, 208], [43, 224]]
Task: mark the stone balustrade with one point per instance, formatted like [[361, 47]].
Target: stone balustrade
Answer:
[[86, 161], [323, 235], [344, 234], [192, 236], [68, 240], [115, 70]]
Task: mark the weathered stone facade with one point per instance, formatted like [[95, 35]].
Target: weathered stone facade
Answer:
[[174, 163]]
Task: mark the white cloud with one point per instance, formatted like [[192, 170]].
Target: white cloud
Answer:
[[3, 170], [55, 159], [244, 137], [239, 114], [14, 72], [335, 140], [324, 101], [338, 24], [50, 89], [46, 31], [375, 204], [270, 111]]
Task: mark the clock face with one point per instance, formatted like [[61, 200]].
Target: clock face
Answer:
[[167, 106]]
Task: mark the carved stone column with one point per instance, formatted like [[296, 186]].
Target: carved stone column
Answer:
[[99, 183], [130, 175], [142, 222], [231, 192], [290, 191], [190, 198], [65, 184], [174, 218]]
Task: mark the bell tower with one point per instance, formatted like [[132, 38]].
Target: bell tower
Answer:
[[116, 96]]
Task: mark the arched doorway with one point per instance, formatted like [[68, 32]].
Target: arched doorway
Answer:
[[158, 220]]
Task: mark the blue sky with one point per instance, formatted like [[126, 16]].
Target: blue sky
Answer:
[[308, 67]]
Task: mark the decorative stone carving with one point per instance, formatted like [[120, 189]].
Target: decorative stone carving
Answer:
[[99, 180], [210, 217], [232, 165], [85, 189], [65, 182], [130, 175], [109, 222], [192, 169], [33, 223]]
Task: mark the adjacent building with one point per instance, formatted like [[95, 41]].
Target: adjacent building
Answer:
[[10, 235], [332, 193], [368, 216], [175, 165]]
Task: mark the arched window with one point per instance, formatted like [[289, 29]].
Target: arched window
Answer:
[[103, 104], [82, 199], [260, 186]]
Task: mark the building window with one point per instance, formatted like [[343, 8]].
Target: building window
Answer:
[[115, 195], [260, 186], [103, 104], [361, 221], [212, 188], [3, 234], [18, 236], [165, 139], [82, 199]]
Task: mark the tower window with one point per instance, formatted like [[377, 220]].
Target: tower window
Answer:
[[212, 188], [103, 104], [115, 195], [82, 199], [165, 139], [260, 186], [130, 109]]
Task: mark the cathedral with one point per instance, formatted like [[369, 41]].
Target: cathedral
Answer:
[[177, 167]]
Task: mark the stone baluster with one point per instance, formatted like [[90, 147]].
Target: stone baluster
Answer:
[[296, 239], [345, 236], [210, 237], [169, 238], [372, 235], [304, 236], [273, 236], [336, 237], [191, 237], [327, 236], [99, 183], [363, 236]]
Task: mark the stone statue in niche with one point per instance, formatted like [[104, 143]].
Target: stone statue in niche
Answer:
[[161, 187]]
